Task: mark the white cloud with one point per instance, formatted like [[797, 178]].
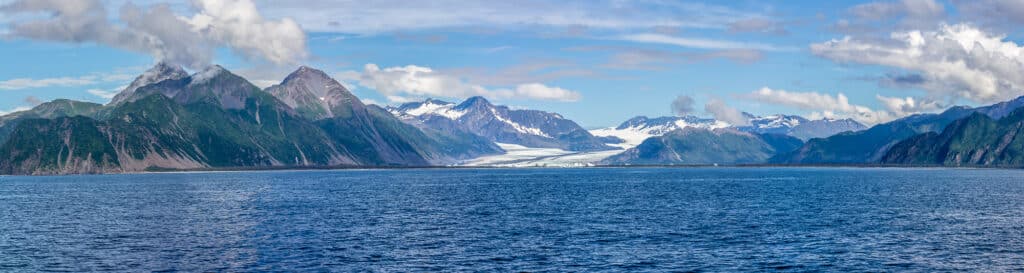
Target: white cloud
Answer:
[[698, 42], [722, 111], [15, 110], [158, 31], [66, 81], [823, 105], [105, 94], [909, 105], [410, 82], [955, 61], [238, 24], [543, 92], [26, 83]]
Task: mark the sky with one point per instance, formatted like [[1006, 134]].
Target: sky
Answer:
[[598, 62]]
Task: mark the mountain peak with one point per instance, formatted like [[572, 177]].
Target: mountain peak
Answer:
[[160, 72], [473, 102], [315, 94], [305, 72]]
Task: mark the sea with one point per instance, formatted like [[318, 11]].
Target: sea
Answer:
[[512, 220]]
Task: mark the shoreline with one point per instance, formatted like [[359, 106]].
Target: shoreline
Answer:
[[373, 168]]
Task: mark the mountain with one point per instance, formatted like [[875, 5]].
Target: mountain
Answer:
[[634, 131], [47, 110], [977, 140], [530, 128], [160, 72], [871, 145], [315, 95], [703, 146], [800, 127], [378, 136], [216, 119], [156, 132]]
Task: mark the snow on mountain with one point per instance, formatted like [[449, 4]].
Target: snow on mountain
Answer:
[[160, 72], [800, 127], [521, 156], [428, 107], [634, 131], [501, 124]]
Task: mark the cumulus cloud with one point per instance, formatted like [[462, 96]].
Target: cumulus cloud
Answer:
[[409, 82], [238, 24], [909, 105], [823, 105], [189, 41], [682, 105], [955, 61], [722, 111]]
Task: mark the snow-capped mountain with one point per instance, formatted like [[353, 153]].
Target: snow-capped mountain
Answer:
[[160, 72], [800, 127], [635, 130], [529, 128]]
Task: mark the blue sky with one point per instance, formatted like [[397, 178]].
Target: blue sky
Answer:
[[596, 62]]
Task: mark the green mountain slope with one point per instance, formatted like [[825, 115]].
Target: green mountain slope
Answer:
[[977, 140], [52, 109], [868, 146], [699, 146]]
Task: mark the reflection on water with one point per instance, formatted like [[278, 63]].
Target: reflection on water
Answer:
[[539, 219]]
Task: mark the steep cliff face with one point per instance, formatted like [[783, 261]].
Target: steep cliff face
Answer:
[[375, 136], [157, 133], [977, 140]]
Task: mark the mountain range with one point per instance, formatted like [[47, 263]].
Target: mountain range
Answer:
[[871, 146], [529, 128], [168, 119]]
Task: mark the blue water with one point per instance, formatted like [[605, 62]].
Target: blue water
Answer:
[[706, 219]]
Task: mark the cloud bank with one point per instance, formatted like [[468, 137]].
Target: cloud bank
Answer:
[[411, 82], [157, 31], [839, 106], [953, 62]]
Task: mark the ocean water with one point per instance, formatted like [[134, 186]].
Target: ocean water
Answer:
[[632, 219]]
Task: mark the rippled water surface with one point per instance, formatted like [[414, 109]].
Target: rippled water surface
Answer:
[[712, 219]]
